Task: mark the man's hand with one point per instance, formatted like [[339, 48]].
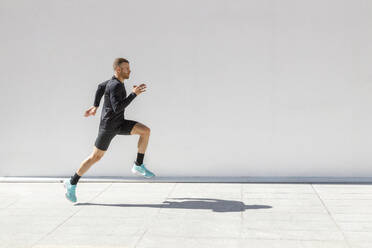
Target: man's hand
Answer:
[[91, 111], [139, 89]]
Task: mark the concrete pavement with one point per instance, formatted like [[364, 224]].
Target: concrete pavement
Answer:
[[37, 215]]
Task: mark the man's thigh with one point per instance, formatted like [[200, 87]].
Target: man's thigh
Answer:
[[140, 129], [126, 127], [103, 139]]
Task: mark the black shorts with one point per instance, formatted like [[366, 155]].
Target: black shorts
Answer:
[[105, 136]]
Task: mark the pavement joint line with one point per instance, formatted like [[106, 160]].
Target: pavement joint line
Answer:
[[241, 212], [47, 234], [169, 193], [141, 237], [330, 214], [11, 203], [155, 216]]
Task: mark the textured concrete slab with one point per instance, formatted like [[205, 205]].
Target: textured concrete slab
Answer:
[[142, 214]]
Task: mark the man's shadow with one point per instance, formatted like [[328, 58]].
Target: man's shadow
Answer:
[[215, 205]]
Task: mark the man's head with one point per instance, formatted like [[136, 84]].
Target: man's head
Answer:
[[121, 68]]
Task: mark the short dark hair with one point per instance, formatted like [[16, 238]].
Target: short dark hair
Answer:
[[118, 61]]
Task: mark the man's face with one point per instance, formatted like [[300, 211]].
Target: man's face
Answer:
[[124, 70]]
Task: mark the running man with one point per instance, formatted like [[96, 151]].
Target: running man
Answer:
[[112, 123]]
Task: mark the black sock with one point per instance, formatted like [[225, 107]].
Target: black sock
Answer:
[[74, 179], [140, 157]]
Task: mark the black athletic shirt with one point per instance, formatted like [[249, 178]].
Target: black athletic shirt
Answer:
[[115, 102]]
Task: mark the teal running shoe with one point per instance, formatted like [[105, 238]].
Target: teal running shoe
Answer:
[[142, 170], [70, 190]]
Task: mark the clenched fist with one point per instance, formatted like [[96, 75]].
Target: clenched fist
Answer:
[[91, 111]]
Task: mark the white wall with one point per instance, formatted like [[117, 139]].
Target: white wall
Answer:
[[235, 88]]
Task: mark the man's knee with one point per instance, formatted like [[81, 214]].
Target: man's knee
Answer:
[[141, 129], [147, 131], [97, 156]]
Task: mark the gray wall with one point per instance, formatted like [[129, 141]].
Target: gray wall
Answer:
[[235, 88]]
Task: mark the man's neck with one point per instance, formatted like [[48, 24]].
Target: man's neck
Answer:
[[120, 78]]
